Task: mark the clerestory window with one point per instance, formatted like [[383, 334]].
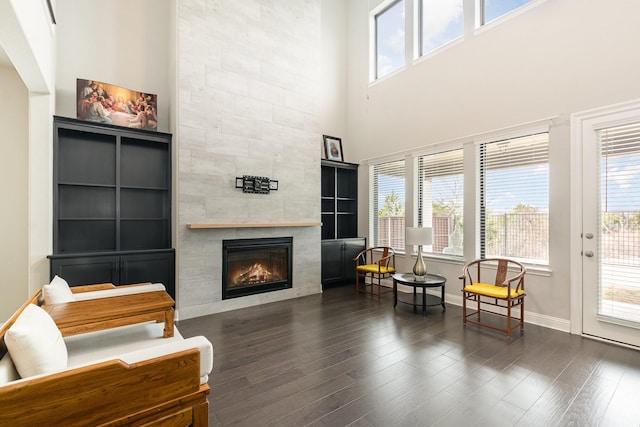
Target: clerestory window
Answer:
[[441, 22], [490, 10], [389, 30]]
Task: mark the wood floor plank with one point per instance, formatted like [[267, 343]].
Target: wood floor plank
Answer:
[[623, 410], [550, 407], [338, 359]]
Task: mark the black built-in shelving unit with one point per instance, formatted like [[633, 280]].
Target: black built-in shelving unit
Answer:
[[339, 204], [111, 204]]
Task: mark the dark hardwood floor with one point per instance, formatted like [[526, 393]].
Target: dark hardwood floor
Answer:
[[338, 359]]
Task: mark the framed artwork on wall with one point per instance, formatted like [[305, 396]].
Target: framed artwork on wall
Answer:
[[107, 103], [333, 148]]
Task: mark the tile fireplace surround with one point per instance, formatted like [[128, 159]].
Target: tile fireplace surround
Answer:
[[243, 110], [199, 290]]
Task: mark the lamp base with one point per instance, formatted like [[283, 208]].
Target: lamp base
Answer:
[[419, 268]]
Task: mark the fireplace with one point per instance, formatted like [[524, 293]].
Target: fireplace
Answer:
[[254, 266]]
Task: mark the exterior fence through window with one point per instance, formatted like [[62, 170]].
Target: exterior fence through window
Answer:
[[518, 235]]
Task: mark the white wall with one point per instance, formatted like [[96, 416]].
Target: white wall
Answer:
[[125, 43], [14, 190], [557, 58], [28, 38], [333, 72]]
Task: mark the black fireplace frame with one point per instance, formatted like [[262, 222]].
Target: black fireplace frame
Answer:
[[256, 244]]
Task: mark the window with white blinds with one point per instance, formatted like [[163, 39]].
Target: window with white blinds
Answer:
[[441, 200], [387, 211], [619, 213], [514, 198]]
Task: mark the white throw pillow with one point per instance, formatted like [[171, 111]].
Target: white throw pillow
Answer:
[[57, 292], [35, 343]]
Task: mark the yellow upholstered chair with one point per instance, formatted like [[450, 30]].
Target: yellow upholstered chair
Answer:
[[499, 295], [373, 265]]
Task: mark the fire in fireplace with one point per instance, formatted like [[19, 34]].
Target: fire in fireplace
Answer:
[[253, 266]]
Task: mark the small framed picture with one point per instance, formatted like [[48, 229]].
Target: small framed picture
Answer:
[[333, 148]]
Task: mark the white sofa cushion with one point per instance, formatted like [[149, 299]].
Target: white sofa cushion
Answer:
[[134, 343], [84, 348], [57, 292], [8, 371], [163, 348], [35, 343], [127, 290]]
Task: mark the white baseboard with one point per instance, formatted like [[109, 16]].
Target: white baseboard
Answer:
[[563, 325]]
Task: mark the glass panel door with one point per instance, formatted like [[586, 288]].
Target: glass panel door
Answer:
[[611, 235]]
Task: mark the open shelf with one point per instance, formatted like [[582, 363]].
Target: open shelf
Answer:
[[112, 196], [339, 203]]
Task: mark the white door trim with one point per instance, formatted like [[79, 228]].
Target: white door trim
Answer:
[[581, 122]]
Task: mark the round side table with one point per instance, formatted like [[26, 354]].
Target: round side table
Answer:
[[431, 281]]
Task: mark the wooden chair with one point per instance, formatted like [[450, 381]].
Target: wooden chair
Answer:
[[503, 293], [373, 265]]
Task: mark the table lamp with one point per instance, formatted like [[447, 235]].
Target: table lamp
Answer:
[[419, 236]]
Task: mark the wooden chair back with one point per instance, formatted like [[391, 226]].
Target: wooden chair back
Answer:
[[473, 272]]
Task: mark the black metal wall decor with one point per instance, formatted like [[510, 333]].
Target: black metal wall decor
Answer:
[[256, 184]]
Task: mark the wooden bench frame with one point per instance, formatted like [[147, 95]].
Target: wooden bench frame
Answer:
[[161, 391], [78, 317]]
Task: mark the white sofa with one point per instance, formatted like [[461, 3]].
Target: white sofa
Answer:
[[124, 375]]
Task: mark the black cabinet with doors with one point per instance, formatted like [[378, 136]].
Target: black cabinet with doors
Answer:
[[339, 204], [111, 204], [155, 266], [337, 260]]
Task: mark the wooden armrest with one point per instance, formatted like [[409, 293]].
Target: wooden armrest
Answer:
[[113, 393], [78, 317], [363, 253], [102, 287], [34, 299], [91, 288], [131, 285]]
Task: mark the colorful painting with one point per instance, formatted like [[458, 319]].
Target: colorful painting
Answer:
[[106, 103]]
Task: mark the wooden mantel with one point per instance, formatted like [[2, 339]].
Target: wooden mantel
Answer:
[[256, 225]]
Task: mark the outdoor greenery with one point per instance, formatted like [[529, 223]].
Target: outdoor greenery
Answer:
[[393, 206]]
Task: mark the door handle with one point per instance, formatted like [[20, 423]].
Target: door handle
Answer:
[[589, 235], [588, 253]]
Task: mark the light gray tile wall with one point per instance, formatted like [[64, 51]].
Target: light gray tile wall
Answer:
[[248, 75]]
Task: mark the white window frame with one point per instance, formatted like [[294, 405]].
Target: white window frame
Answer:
[[373, 38], [479, 13], [458, 147], [495, 137], [419, 32], [373, 203]]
